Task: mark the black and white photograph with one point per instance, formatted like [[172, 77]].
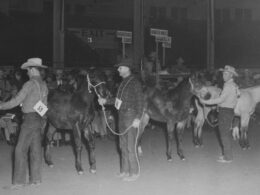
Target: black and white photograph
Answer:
[[123, 97]]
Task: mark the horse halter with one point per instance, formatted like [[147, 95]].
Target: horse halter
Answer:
[[93, 86]]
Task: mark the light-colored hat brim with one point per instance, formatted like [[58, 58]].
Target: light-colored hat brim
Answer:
[[225, 70], [29, 64]]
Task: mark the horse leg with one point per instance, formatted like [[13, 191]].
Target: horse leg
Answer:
[[139, 147], [244, 131], [235, 130], [47, 145], [179, 136], [144, 122], [78, 144], [91, 143], [170, 129], [197, 135], [198, 124]]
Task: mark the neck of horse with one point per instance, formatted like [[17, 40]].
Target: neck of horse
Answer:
[[254, 92]]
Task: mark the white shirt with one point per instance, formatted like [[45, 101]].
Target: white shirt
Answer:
[[228, 97]]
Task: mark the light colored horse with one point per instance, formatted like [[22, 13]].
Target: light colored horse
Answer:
[[249, 97]]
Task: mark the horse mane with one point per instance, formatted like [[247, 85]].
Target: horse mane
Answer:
[[183, 85], [81, 82], [180, 93]]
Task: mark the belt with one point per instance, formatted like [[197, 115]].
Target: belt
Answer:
[[226, 108], [31, 114]]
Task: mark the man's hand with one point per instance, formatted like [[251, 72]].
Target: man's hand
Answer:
[[136, 123], [202, 101], [102, 101]]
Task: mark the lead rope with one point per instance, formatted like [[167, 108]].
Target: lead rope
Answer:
[[113, 131], [206, 118]]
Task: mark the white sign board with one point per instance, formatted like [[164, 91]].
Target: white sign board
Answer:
[[158, 32], [127, 40], [121, 34], [166, 45], [163, 39]]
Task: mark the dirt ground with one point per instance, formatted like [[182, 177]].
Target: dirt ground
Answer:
[[200, 174]]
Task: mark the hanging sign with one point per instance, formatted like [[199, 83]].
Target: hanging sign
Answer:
[[158, 32], [121, 34]]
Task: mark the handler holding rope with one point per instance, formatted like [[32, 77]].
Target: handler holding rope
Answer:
[[226, 102], [130, 104]]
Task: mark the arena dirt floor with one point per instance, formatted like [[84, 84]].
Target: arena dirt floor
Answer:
[[200, 174]]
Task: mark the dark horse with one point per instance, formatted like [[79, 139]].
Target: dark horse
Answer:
[[75, 111], [171, 107]]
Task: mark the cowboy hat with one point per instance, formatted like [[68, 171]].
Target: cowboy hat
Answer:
[[230, 69], [128, 62], [33, 62]]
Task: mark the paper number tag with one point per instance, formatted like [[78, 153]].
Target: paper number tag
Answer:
[[40, 108], [118, 103]]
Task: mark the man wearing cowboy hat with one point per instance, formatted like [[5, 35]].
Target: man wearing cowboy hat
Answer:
[[130, 104], [226, 102], [32, 98]]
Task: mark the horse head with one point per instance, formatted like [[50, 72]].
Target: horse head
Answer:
[[198, 87], [97, 82]]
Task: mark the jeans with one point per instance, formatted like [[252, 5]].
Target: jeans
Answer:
[[225, 118], [29, 141], [127, 142]]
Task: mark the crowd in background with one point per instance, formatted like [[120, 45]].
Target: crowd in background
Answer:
[[11, 81]]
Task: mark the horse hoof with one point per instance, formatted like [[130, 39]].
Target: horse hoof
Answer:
[[197, 146], [80, 172], [246, 148], [169, 157], [182, 157], [93, 171], [139, 151], [50, 164]]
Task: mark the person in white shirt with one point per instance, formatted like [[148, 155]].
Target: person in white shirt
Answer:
[[226, 103]]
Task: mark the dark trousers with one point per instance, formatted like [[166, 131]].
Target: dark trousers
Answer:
[[225, 117], [127, 143], [29, 141]]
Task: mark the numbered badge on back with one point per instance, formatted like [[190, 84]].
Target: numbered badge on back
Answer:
[[40, 108], [118, 103]]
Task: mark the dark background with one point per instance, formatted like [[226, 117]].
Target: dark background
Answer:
[[24, 35]]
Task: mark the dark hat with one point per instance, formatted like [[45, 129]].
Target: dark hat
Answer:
[[128, 62], [33, 62]]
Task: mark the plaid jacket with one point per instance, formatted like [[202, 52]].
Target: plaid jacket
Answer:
[[131, 93]]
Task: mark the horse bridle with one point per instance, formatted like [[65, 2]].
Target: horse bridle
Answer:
[[93, 86]]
